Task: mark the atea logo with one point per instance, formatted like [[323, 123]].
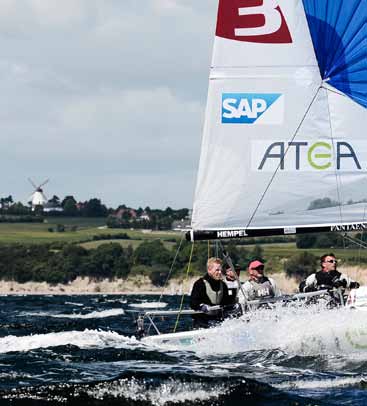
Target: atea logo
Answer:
[[247, 108], [260, 21]]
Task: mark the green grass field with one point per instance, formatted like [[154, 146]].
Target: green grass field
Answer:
[[124, 243], [86, 228], [276, 254]]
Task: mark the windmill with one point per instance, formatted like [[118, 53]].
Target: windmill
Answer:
[[38, 198]]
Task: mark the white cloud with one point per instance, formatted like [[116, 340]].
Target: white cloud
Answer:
[[106, 90], [59, 13]]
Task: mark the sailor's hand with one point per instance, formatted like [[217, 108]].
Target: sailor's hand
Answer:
[[234, 310], [209, 310], [337, 283], [205, 308], [308, 289]]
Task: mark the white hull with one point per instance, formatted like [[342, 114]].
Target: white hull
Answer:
[[149, 305], [182, 338]]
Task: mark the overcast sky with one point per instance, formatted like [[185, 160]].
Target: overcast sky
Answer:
[[104, 97]]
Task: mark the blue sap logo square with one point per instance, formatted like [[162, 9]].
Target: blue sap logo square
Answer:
[[246, 108]]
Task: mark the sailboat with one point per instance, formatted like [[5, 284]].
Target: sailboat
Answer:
[[285, 124]]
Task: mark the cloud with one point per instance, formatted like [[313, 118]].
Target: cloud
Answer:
[[104, 92]]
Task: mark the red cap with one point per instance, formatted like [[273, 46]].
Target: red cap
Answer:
[[255, 264]]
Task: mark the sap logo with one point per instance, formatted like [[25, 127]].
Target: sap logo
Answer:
[[247, 108], [261, 23]]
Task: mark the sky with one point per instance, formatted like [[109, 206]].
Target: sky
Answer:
[[104, 98]]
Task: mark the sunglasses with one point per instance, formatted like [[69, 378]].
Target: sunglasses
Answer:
[[258, 268], [332, 261]]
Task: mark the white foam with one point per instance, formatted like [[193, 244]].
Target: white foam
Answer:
[[93, 315], [321, 384], [82, 339], [296, 331], [171, 391]]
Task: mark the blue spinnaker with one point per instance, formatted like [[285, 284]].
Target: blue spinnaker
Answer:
[[339, 34]]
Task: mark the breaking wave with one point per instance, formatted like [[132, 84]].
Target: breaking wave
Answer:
[[93, 315], [81, 339]]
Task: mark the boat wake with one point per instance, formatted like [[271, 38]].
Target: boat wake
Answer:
[[159, 389], [87, 339], [302, 331], [93, 315]]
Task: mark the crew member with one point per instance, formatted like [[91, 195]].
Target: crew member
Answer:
[[258, 285], [328, 277], [209, 291], [231, 279]]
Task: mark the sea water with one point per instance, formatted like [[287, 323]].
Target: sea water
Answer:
[[81, 350]]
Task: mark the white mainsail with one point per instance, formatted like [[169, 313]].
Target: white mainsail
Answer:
[[281, 141]]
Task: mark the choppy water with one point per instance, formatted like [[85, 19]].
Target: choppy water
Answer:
[[73, 350]]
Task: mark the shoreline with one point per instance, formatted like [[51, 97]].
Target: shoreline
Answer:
[[87, 286], [141, 285]]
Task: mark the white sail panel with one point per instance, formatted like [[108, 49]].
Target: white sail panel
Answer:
[[244, 183], [228, 191], [275, 33], [332, 169], [281, 147]]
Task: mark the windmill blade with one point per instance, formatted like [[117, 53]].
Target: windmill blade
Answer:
[[43, 184], [32, 183]]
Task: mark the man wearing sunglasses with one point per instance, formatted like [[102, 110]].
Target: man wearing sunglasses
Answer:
[[328, 277], [258, 285]]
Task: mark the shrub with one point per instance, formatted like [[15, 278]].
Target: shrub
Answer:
[[300, 265]]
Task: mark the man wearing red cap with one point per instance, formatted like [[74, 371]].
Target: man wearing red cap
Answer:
[[258, 286]]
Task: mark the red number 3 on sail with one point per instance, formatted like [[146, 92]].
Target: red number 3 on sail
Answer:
[[260, 21]]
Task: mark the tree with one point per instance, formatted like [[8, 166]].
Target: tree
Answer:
[[94, 208], [301, 265], [69, 206], [55, 200], [18, 209], [306, 240], [152, 253], [159, 275], [6, 202]]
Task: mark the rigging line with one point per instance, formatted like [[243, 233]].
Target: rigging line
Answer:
[[361, 244], [168, 276], [183, 293], [337, 176], [362, 235], [339, 92], [171, 269], [282, 159], [228, 259]]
